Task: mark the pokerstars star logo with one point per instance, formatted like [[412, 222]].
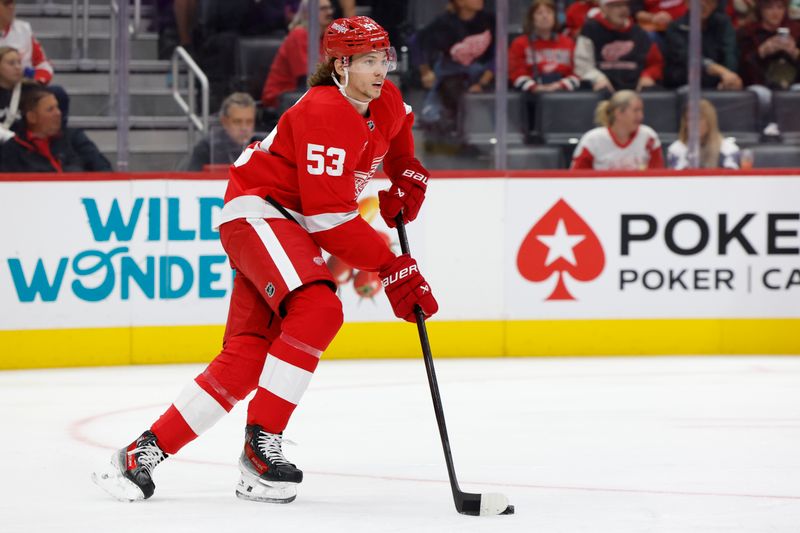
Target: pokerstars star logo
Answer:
[[560, 243]]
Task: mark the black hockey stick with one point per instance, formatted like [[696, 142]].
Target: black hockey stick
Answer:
[[466, 502]]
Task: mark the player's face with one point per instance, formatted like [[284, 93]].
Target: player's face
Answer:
[[239, 123], [367, 73], [631, 117], [10, 68]]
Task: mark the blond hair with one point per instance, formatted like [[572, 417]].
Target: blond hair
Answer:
[[711, 144], [605, 111]]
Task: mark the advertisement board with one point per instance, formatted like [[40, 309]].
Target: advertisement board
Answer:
[[115, 269]]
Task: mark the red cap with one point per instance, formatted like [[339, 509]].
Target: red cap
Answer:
[[355, 35]]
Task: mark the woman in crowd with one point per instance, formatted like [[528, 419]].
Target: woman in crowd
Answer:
[[11, 74], [620, 141], [716, 151], [541, 59]]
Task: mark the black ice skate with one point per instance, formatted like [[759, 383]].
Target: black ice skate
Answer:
[[130, 475], [266, 474]]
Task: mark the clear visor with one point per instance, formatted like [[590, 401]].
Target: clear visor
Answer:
[[378, 61]]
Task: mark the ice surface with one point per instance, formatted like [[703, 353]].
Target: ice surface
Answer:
[[673, 444]]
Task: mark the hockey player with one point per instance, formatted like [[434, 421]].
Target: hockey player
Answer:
[[288, 196]]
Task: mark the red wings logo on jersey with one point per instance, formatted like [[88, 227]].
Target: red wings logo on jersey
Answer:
[[616, 50], [471, 48], [362, 177]]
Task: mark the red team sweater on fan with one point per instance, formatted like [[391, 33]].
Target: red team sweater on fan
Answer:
[[535, 61], [317, 161]]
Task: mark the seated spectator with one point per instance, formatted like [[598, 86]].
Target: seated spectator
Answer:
[[769, 47], [657, 15], [541, 59], [19, 35], [10, 90], [716, 151], [613, 53], [720, 61], [621, 142], [577, 14], [42, 144], [290, 66], [457, 55], [225, 142]]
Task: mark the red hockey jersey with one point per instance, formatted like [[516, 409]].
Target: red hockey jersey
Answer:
[[317, 161]]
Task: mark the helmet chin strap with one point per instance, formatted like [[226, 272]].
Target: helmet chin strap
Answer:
[[342, 87]]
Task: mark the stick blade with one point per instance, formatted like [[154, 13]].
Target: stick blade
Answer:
[[488, 504]]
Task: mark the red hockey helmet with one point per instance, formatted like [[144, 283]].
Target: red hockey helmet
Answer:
[[355, 35]]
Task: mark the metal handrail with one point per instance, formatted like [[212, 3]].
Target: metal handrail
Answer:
[[82, 52], [199, 123]]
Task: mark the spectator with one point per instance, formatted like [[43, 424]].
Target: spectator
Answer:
[[457, 56], [42, 144], [541, 59], [716, 151], [237, 118], [655, 16], [577, 14], [18, 34], [720, 60], [621, 142], [10, 90], [769, 47], [613, 53], [290, 66]]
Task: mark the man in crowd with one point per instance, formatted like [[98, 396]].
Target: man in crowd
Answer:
[[613, 53], [222, 145], [42, 144]]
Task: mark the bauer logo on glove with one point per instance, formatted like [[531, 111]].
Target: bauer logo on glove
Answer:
[[406, 288]]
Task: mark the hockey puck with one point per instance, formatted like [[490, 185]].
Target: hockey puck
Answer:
[[509, 510]]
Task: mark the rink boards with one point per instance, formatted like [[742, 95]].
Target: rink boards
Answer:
[[116, 269]]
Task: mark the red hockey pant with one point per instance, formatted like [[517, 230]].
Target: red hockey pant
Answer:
[[283, 314]]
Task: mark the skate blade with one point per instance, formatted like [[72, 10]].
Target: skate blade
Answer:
[[253, 488], [111, 480]]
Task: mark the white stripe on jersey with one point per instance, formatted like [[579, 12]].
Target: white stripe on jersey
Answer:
[[284, 380], [276, 253], [198, 408]]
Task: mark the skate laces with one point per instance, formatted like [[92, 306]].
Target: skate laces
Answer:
[[148, 456], [270, 445]]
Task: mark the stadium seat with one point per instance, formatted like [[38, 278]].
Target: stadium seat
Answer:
[[563, 117], [254, 56], [421, 12], [787, 112], [737, 112], [476, 115], [775, 156], [287, 100], [535, 158], [661, 114]]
